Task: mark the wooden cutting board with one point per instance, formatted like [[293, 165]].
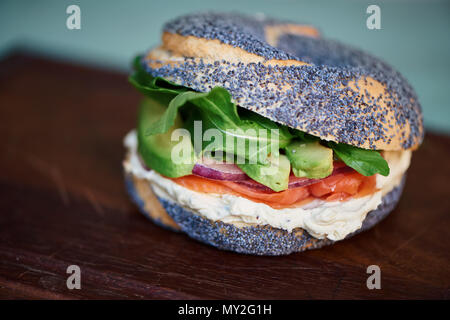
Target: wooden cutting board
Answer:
[[63, 202]]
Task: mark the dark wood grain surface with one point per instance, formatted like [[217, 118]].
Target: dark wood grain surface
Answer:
[[63, 202]]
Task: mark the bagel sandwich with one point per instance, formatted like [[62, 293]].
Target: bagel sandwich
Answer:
[[258, 136]]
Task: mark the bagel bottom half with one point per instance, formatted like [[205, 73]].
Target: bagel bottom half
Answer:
[[256, 240]]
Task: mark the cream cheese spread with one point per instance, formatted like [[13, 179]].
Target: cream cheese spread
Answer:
[[322, 219]]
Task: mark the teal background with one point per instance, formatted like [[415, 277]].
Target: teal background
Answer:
[[415, 35]]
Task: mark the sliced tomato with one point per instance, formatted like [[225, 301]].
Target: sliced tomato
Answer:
[[349, 184], [204, 185], [325, 186], [337, 196], [283, 198], [337, 187], [276, 199], [368, 186]]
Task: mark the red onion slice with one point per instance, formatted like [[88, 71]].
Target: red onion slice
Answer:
[[216, 170], [219, 170]]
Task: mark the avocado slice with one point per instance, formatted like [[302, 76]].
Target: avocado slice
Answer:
[[310, 159], [156, 150], [273, 175]]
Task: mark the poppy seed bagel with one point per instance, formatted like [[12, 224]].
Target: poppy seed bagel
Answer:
[[287, 74], [257, 240], [321, 192]]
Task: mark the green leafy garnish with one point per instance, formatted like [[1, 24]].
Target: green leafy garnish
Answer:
[[217, 111], [182, 106], [366, 162]]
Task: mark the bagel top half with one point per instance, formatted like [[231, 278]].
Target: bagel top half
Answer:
[[288, 74]]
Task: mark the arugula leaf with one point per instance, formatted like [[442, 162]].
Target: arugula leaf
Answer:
[[216, 103], [217, 111], [148, 85], [252, 119], [366, 162]]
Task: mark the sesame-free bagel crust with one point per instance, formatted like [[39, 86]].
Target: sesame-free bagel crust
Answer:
[[286, 73]]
